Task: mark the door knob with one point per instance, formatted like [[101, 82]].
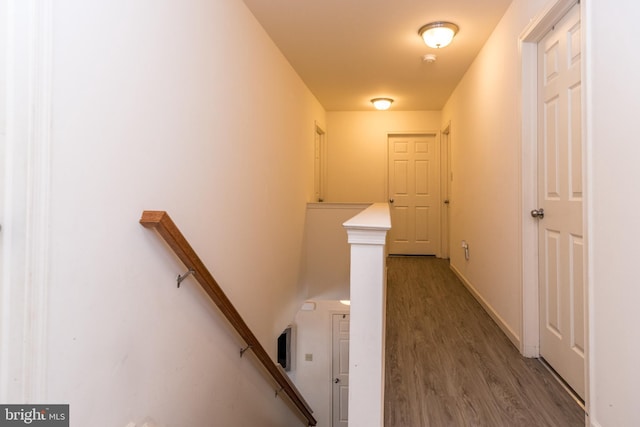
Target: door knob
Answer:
[[446, 202], [538, 213], [390, 200], [336, 381]]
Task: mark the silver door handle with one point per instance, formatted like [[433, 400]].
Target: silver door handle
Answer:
[[538, 213]]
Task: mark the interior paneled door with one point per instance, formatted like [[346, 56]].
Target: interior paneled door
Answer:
[[414, 194], [340, 370], [318, 160], [560, 238], [445, 186]]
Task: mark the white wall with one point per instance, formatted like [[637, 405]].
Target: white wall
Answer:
[[314, 336], [484, 113], [327, 257], [613, 150], [184, 106], [357, 150]]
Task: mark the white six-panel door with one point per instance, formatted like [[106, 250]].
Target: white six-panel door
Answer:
[[414, 194], [318, 165], [340, 370], [561, 246]]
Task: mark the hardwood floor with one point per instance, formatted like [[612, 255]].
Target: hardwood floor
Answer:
[[448, 363]]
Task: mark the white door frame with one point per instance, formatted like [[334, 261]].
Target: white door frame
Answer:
[[25, 251], [445, 190], [528, 44], [320, 163]]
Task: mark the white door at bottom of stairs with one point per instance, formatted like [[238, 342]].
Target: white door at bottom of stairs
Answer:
[[340, 370]]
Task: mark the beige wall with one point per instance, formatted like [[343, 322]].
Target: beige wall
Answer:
[[326, 270], [357, 150], [173, 106], [485, 209]]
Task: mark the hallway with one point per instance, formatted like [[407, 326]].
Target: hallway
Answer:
[[449, 364]]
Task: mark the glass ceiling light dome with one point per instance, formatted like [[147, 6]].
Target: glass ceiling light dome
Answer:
[[382, 103], [438, 34]]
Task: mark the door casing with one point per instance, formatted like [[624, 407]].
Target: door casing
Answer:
[[445, 190]]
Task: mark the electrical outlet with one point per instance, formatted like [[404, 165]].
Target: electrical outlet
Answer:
[[465, 247]]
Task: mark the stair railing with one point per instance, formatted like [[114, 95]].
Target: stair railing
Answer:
[[162, 223]]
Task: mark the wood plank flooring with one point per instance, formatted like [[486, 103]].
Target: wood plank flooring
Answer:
[[448, 363]]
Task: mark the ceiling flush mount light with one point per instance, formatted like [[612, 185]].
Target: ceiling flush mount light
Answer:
[[382, 103], [438, 34]]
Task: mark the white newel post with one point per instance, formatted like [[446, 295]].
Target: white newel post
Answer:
[[367, 234]]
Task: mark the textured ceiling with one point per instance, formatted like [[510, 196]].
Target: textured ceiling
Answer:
[[349, 51]]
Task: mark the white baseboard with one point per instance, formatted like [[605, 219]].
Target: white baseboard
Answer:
[[513, 337]]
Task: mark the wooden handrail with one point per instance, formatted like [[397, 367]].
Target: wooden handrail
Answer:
[[163, 224]]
